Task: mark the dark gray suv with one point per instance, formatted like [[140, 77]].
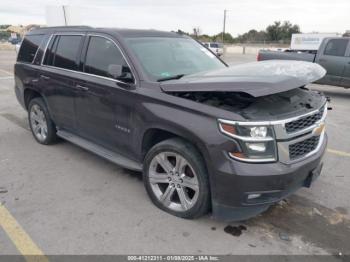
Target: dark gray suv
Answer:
[[207, 137]]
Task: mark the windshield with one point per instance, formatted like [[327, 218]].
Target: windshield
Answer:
[[166, 57]]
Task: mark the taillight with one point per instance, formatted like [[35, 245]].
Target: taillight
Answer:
[[258, 58]]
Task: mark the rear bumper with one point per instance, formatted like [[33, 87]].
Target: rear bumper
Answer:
[[237, 189]]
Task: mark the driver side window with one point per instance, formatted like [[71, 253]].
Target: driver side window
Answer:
[[336, 47], [103, 53]]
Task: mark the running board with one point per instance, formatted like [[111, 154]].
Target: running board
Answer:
[[99, 150]]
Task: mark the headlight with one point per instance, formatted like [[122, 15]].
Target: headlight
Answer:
[[258, 131], [257, 142]]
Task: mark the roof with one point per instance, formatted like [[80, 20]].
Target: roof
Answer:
[[123, 32], [141, 32]]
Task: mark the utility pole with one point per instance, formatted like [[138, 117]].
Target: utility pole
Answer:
[[223, 31], [64, 15]]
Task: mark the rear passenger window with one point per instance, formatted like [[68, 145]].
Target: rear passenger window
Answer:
[[336, 47], [29, 48], [102, 53], [50, 51], [67, 52], [63, 52]]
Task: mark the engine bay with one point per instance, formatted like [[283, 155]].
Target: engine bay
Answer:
[[276, 106]]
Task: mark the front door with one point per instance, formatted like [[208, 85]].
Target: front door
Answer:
[[346, 75], [334, 60], [103, 106]]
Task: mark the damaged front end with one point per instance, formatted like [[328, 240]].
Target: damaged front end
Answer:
[[283, 120], [268, 90], [274, 126]]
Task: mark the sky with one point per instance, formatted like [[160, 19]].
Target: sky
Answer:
[[322, 16]]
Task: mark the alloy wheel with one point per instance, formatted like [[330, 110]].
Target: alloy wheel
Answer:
[[173, 181], [38, 122]]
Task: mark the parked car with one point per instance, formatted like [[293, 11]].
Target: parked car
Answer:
[[207, 137], [14, 41], [333, 55], [216, 48]]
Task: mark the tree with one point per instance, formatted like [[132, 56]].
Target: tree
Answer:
[[281, 32], [4, 35], [252, 36], [180, 32], [4, 26], [278, 32], [347, 33], [227, 38]]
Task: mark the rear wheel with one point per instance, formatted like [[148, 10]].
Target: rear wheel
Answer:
[[43, 129], [176, 179]]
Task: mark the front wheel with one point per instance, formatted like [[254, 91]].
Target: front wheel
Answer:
[[176, 179]]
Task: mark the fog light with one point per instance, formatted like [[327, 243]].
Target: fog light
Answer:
[[253, 196], [258, 147], [258, 131]]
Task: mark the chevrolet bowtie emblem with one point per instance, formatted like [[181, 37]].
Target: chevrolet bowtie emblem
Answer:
[[319, 129]]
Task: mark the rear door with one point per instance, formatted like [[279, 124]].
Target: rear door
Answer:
[[334, 60], [346, 75], [58, 76]]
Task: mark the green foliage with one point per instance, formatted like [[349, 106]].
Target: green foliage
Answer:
[[281, 31], [277, 32], [227, 38], [252, 36], [347, 34], [4, 26], [4, 35], [215, 38]]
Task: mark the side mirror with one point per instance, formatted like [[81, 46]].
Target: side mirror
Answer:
[[115, 71]]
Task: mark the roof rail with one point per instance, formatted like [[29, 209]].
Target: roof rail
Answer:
[[66, 27]]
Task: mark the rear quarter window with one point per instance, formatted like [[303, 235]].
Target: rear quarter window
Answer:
[[29, 48]]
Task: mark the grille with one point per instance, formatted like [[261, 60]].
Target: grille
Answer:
[[302, 148], [304, 122]]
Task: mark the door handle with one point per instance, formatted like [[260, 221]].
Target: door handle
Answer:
[[84, 88], [44, 77]]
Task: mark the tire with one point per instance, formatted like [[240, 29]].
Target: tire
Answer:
[[41, 125], [176, 179]]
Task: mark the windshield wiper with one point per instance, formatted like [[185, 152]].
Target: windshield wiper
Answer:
[[170, 78]]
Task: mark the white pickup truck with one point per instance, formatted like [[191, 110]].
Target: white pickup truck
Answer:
[[216, 48]]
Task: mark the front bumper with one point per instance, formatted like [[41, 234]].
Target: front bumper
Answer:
[[274, 181]]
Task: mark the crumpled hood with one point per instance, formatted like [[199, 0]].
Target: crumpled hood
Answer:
[[257, 78]]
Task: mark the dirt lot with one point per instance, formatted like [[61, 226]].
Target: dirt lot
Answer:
[[63, 200]]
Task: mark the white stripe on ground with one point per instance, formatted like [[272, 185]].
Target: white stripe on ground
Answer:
[[6, 77], [6, 72]]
